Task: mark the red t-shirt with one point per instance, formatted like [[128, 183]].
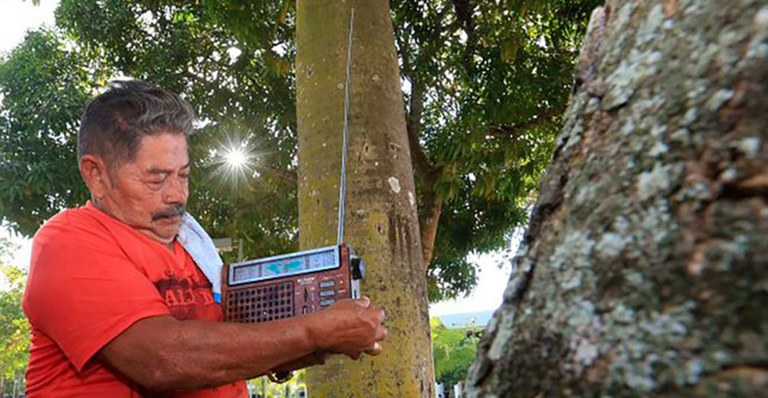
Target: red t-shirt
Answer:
[[90, 278]]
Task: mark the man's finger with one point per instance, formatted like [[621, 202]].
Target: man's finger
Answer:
[[375, 350], [383, 334], [364, 301]]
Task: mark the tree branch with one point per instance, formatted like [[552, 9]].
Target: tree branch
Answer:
[[290, 177], [426, 172], [464, 10], [421, 163], [544, 118]]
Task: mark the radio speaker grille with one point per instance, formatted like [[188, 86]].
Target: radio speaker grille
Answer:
[[260, 304]]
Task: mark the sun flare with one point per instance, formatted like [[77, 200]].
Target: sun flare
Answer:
[[236, 158]]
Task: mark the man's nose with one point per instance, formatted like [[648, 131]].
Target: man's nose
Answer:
[[176, 191]]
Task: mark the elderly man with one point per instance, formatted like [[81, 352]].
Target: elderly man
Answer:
[[119, 307]]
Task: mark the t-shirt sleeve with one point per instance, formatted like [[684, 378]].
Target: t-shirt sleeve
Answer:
[[83, 291]]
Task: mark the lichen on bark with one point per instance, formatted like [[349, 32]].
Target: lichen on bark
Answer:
[[645, 269]]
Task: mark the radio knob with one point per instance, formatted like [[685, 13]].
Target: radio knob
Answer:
[[358, 267]]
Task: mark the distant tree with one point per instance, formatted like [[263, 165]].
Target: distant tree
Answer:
[[291, 389], [14, 328], [453, 350]]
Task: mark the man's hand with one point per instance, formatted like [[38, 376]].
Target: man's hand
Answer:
[[350, 327]]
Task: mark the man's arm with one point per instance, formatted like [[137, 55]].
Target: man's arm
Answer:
[[161, 353]]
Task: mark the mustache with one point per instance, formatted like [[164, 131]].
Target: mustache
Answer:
[[175, 210]]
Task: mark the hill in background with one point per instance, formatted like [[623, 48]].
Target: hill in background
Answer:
[[466, 319]]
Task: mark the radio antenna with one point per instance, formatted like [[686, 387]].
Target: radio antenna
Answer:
[[345, 134]]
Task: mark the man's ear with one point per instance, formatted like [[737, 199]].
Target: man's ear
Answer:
[[95, 174]]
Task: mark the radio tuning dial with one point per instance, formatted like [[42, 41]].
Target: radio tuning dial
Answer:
[[358, 267]]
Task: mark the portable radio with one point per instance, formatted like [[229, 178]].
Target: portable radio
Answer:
[[297, 283], [287, 285]]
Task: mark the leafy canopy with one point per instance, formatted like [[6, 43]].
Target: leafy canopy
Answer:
[[484, 85]]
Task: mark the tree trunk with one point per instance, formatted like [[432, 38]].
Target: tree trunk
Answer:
[[382, 224], [645, 268]]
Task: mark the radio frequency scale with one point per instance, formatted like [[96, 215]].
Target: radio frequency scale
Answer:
[[297, 283]]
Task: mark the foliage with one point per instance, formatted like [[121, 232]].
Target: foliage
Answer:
[[489, 81], [14, 328], [43, 90], [453, 350], [46, 81], [293, 388], [484, 85]]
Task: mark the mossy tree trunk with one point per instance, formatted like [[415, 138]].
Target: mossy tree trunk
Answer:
[[382, 224], [645, 268]]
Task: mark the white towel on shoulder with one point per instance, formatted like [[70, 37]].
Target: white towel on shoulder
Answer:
[[200, 247]]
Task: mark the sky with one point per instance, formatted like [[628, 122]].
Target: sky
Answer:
[[16, 17]]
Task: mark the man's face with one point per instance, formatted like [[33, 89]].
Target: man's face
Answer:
[[150, 192]]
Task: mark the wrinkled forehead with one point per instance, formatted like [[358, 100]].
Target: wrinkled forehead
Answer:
[[162, 152]]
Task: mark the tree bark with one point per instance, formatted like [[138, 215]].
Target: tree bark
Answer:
[[382, 223], [644, 271]]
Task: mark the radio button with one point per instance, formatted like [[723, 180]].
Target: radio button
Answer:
[[327, 302], [327, 293], [327, 284]]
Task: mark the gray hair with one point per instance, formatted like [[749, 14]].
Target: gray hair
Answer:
[[115, 121]]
